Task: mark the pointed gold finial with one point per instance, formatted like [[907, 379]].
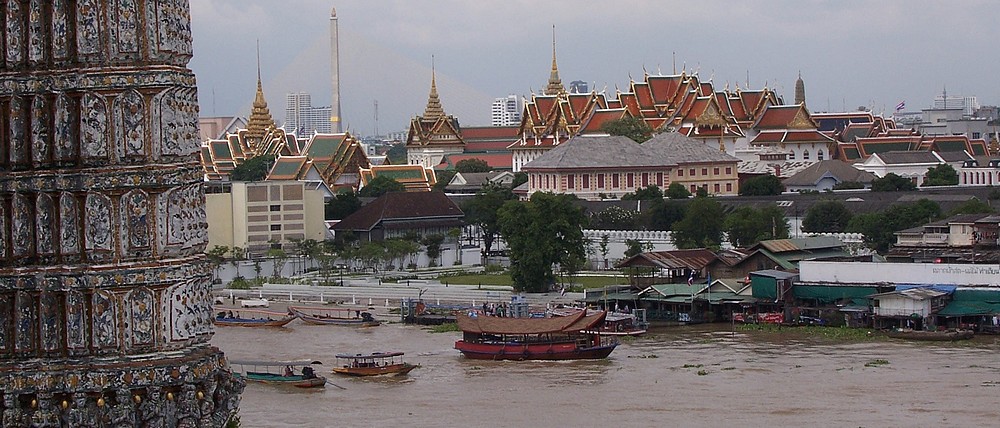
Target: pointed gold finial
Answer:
[[433, 109], [260, 117], [555, 86]]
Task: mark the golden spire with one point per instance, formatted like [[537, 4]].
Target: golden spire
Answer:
[[260, 117], [433, 110], [555, 86]]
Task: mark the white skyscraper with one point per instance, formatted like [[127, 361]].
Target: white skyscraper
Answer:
[[506, 111], [302, 118]]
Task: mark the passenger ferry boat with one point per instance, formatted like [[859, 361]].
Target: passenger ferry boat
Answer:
[[552, 338]]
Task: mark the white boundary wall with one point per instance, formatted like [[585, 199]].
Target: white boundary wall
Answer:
[[900, 273]]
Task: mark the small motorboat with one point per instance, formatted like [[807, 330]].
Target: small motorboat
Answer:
[[374, 364], [252, 318], [334, 316], [280, 373]]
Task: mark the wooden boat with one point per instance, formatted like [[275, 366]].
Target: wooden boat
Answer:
[[553, 338], [280, 373], [252, 318], [615, 323], [374, 364], [937, 336], [334, 316]]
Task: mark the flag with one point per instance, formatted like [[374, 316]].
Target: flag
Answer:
[[901, 105], [691, 279]]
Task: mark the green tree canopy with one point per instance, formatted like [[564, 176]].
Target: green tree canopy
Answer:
[[649, 192], [519, 179], [343, 204], [253, 169], [764, 185], [482, 209], [379, 186], [433, 245], [472, 165], [661, 214], [632, 127], [892, 183], [879, 228], [746, 225], [634, 247], [701, 226], [828, 216], [614, 218], [677, 191], [941, 175], [972, 206], [443, 178], [540, 233], [396, 155]]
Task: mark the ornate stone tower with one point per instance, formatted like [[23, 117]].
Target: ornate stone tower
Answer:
[[105, 310]]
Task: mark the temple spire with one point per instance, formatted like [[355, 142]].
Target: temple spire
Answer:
[[800, 90], [555, 86], [433, 110], [260, 116]]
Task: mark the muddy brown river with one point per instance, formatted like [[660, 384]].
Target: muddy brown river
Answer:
[[701, 376]]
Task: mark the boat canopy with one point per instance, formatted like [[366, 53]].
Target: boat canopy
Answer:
[[501, 325], [273, 363], [372, 355]]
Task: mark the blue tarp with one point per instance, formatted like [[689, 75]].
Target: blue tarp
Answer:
[[944, 288]]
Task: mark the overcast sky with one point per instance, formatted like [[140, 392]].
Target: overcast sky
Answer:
[[850, 53]]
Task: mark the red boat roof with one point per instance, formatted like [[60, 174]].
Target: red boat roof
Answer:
[[501, 325]]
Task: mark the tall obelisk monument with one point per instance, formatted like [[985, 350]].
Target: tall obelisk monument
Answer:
[[335, 117]]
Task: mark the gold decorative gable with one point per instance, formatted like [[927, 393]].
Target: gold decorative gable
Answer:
[[711, 116], [801, 121]]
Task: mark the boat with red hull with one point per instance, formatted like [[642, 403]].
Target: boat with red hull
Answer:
[[556, 338]]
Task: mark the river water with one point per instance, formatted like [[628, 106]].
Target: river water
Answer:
[[699, 376]]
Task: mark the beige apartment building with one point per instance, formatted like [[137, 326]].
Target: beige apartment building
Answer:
[[257, 215]]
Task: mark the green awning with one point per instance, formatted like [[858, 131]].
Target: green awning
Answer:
[[831, 294], [597, 297], [969, 308]]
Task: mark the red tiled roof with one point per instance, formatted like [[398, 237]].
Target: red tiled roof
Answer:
[[489, 133], [600, 117]]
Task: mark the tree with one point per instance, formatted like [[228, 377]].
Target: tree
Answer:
[[892, 183], [634, 247], [379, 186], [829, 216], [646, 193], [972, 206], [433, 244], [632, 127], [746, 225], [443, 178], [217, 256], [764, 185], [396, 155], [941, 175], [662, 215], [614, 218], [279, 258], [545, 231], [701, 226], [253, 169], [677, 191], [235, 255], [472, 165], [603, 247], [343, 204], [455, 234], [482, 209], [519, 179], [879, 228]]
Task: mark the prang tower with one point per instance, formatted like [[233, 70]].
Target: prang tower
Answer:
[[105, 305]]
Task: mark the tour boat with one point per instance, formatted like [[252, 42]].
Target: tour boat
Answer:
[[553, 338], [280, 373], [252, 318], [374, 364], [334, 316]]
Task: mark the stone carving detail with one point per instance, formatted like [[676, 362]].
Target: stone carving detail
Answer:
[[69, 226], [18, 130], [124, 28], [6, 311], [76, 334], [24, 322], [36, 39], [60, 29], [130, 114], [180, 219], [190, 309], [93, 123], [135, 222], [139, 304], [3, 231], [98, 219], [22, 227], [15, 32], [88, 32], [64, 141], [172, 26], [176, 131], [50, 321], [39, 130], [44, 224], [104, 319]]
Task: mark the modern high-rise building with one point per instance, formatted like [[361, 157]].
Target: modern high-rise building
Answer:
[[303, 119], [506, 111], [578, 87]]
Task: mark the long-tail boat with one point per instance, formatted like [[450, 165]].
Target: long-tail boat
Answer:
[[334, 316], [252, 318], [280, 373], [553, 338], [374, 364]]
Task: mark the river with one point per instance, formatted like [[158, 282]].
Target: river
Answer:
[[698, 376]]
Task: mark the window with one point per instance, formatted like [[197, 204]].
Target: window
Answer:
[[704, 171], [693, 189], [631, 180], [729, 187], [819, 155], [715, 171], [569, 182], [615, 181], [691, 172], [805, 154], [275, 227], [586, 181], [659, 179], [718, 188], [645, 179], [975, 135], [729, 170], [600, 181], [680, 172], [275, 207]]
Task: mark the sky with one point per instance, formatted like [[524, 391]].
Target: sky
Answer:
[[850, 53]]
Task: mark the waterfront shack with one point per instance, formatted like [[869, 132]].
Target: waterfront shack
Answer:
[[914, 308]]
